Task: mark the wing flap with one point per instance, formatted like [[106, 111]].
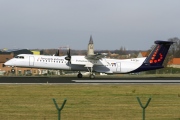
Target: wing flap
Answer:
[[96, 56], [88, 65]]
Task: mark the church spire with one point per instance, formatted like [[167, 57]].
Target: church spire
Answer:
[[90, 50], [91, 40]]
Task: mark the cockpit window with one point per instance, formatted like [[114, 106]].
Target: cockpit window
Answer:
[[19, 57]]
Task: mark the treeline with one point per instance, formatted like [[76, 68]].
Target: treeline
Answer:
[[133, 53], [174, 51], [175, 48]]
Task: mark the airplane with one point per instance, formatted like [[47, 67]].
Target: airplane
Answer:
[[95, 62]]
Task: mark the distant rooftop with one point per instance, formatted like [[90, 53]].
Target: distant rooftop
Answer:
[[16, 51], [174, 61], [10, 50]]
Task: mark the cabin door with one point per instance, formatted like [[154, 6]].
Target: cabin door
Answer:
[[31, 60], [118, 68]]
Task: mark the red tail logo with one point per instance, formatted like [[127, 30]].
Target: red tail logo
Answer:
[[154, 58]]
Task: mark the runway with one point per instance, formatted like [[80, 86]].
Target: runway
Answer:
[[86, 80]]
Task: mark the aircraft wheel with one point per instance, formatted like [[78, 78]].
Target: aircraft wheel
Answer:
[[92, 76], [79, 75], [13, 71]]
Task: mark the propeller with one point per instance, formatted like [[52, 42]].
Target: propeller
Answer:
[[57, 53], [68, 57]]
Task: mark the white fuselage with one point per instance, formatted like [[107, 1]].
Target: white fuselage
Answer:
[[77, 63]]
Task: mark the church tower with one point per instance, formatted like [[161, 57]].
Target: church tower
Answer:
[[90, 47]]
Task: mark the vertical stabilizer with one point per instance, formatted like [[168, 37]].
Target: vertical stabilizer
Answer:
[[156, 57]]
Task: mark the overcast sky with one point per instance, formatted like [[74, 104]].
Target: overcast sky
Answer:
[[133, 24]]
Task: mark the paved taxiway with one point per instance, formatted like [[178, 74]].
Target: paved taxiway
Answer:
[[74, 80]]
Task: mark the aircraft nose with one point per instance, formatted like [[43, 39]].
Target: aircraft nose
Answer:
[[8, 63], [5, 64]]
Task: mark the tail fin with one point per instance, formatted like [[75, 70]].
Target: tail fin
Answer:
[[158, 54]]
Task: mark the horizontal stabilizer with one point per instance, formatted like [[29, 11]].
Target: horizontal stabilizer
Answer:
[[163, 42]]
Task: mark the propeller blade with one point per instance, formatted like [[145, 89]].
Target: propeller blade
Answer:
[[68, 57], [69, 53], [57, 54]]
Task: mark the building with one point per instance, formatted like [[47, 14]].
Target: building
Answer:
[[113, 55], [142, 54], [6, 57], [90, 50], [36, 52], [16, 52], [175, 63]]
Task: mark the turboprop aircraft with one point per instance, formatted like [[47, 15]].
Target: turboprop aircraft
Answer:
[[95, 62]]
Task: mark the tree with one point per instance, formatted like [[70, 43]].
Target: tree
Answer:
[[174, 51], [175, 48], [122, 51]]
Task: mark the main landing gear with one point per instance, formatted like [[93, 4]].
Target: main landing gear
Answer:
[[79, 75], [91, 76]]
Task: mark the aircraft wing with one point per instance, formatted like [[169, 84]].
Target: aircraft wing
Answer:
[[96, 56]]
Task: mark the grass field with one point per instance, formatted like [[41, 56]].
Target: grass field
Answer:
[[89, 102]]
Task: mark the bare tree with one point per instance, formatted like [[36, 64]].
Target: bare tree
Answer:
[[175, 48]]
